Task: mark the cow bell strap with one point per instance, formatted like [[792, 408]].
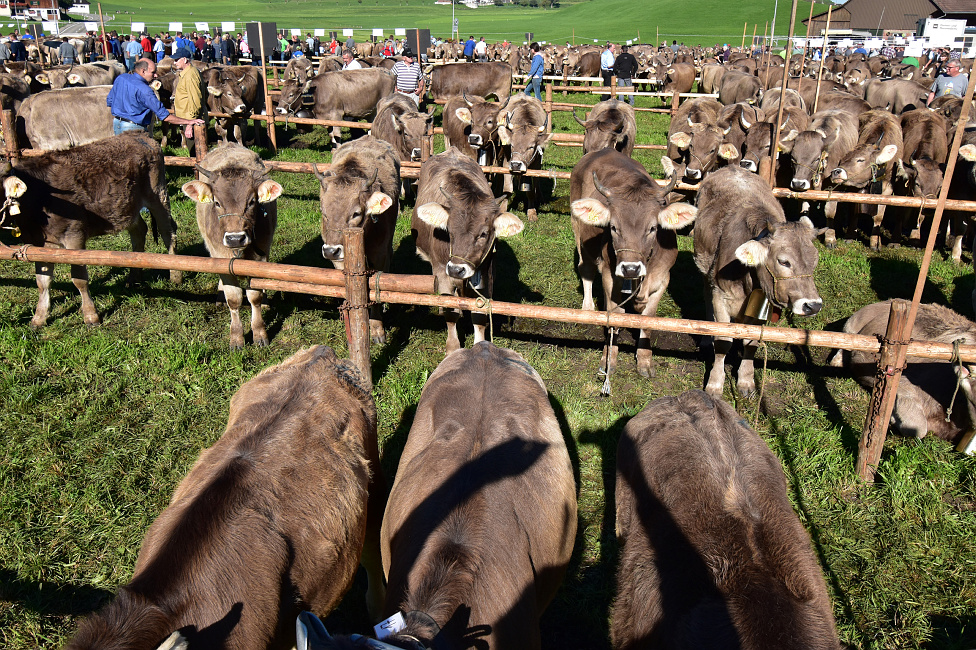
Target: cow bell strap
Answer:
[[642, 256]]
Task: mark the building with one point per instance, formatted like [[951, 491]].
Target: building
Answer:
[[35, 9], [880, 16]]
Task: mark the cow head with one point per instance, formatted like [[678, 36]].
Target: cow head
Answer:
[[53, 78], [756, 146], [526, 141], [635, 222], [784, 259], [809, 156], [412, 127], [610, 128], [236, 197], [701, 142], [226, 92], [863, 165], [481, 120], [923, 176], [347, 201], [472, 219]]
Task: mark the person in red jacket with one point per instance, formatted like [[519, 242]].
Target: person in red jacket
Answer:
[[146, 44]]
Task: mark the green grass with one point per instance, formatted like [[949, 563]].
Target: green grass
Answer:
[[706, 23], [100, 425]]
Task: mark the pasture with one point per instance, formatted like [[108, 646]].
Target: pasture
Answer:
[[100, 424]]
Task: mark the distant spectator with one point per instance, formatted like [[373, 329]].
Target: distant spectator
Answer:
[[606, 67], [17, 50], [469, 48], [349, 61], [133, 50], [351, 43], [624, 68], [481, 49], [67, 52]]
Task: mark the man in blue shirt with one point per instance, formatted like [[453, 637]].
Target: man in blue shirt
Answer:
[[606, 67], [535, 74], [133, 50], [131, 101], [469, 48]]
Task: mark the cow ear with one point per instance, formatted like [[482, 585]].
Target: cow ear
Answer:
[[378, 203], [504, 135], [790, 137], [463, 114], [728, 151], [668, 166], [396, 123], [968, 152], [74, 78], [27, 78], [751, 253], [174, 641], [680, 139], [676, 216], [216, 92], [433, 214], [508, 225], [590, 211], [14, 187], [156, 84], [886, 154], [42, 78], [268, 191], [198, 191]]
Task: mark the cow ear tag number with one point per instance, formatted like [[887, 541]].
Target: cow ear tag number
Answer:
[[390, 626]]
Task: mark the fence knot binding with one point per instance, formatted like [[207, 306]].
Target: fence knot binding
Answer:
[[347, 306]]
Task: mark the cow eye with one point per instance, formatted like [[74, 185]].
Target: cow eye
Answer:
[[652, 230], [216, 203], [784, 263]]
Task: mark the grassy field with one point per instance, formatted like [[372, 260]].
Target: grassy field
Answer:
[[582, 21], [100, 424]]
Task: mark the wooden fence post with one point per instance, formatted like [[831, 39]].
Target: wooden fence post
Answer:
[[200, 144], [549, 107], [675, 99], [613, 87], [268, 108], [356, 306], [8, 125], [882, 398]]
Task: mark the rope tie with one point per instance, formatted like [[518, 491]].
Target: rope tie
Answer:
[[958, 361], [762, 383], [21, 253], [484, 303], [377, 276], [612, 331]]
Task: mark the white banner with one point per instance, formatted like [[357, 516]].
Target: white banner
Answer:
[[173, 27], [377, 32], [50, 27], [816, 42], [227, 27], [202, 27], [91, 27], [914, 48], [296, 32], [138, 28], [347, 32], [874, 42], [320, 32], [400, 31]]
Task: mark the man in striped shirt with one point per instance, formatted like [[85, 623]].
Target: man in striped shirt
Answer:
[[409, 77]]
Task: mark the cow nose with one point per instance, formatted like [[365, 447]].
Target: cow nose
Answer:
[[333, 253], [281, 111], [240, 108], [806, 307], [517, 167], [748, 164], [474, 140], [415, 154], [839, 174], [693, 173], [459, 271], [800, 184], [630, 270], [235, 239]]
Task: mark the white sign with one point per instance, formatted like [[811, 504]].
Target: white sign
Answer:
[[400, 31], [91, 27], [390, 626], [50, 26], [138, 27], [173, 27], [296, 32], [630, 42], [377, 32], [455, 24], [942, 32], [816, 42], [202, 27], [347, 32], [915, 48], [227, 27], [874, 42]]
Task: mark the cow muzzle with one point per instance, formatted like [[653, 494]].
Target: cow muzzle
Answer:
[[839, 174], [800, 184], [694, 174], [240, 108], [807, 307], [475, 140], [750, 165], [281, 110], [459, 271], [631, 270], [517, 167], [415, 154], [236, 239], [332, 253]]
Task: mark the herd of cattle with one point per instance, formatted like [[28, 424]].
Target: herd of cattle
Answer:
[[479, 525]]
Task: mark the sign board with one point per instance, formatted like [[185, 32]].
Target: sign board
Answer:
[[89, 27], [915, 48], [400, 31], [874, 43], [262, 33], [202, 27], [942, 32], [296, 32], [50, 27], [138, 28], [227, 27], [630, 42], [816, 42], [377, 32], [173, 27], [347, 32], [455, 24], [320, 32]]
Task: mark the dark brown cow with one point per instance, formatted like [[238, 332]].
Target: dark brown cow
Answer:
[[234, 90], [739, 87], [455, 223], [738, 119], [742, 243], [679, 78], [472, 79], [347, 94], [756, 147], [610, 125], [869, 167], [13, 91], [588, 65], [711, 553], [624, 231], [60, 119], [237, 214], [471, 125], [361, 190], [399, 122], [523, 134], [895, 95], [64, 198], [921, 171], [839, 100], [927, 387], [270, 520]]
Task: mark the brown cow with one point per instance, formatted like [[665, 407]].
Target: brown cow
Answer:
[[711, 78], [869, 167], [64, 198], [237, 214], [679, 78], [472, 79], [738, 119], [711, 553], [79, 75], [742, 243], [455, 223], [523, 134], [361, 190], [60, 119], [739, 87], [927, 387], [839, 100], [271, 519], [610, 125], [471, 126], [234, 90], [895, 95], [339, 95], [921, 171], [624, 231], [399, 122], [755, 149], [301, 69]]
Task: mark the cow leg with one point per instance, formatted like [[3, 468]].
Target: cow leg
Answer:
[[644, 352], [256, 298], [79, 277], [137, 235], [44, 272], [716, 377], [376, 332], [336, 136], [528, 186], [587, 271], [957, 232], [234, 297], [830, 234], [453, 342], [746, 378]]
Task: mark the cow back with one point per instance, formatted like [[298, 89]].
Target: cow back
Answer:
[[351, 93], [474, 79], [60, 119], [712, 554]]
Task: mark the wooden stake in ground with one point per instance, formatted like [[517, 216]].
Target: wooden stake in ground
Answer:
[[356, 306], [774, 145], [823, 57], [102, 22], [745, 26], [752, 45], [8, 125], [806, 43], [272, 136]]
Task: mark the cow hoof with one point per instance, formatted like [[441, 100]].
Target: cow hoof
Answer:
[[36, 324], [746, 392], [647, 372], [378, 340], [176, 277], [237, 345], [532, 215], [830, 244], [261, 343]]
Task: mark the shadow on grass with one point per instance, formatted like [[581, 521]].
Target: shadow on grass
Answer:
[[950, 633], [891, 278], [51, 599]]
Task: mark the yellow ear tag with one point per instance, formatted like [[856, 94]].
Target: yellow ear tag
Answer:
[[14, 208], [590, 216]]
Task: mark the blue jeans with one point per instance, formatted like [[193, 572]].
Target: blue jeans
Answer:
[[533, 85], [119, 126]]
